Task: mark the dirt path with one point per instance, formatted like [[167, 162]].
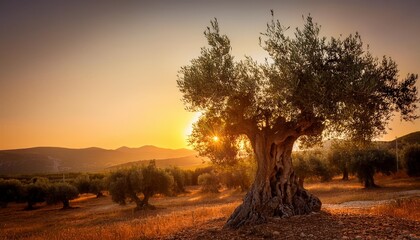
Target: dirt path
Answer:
[[369, 204], [323, 225]]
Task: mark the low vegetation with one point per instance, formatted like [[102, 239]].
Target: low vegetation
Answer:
[[400, 208]]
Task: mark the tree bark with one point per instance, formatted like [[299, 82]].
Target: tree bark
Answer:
[[30, 206], [370, 182], [136, 199], [66, 204], [345, 173], [275, 191], [301, 181], [146, 199]]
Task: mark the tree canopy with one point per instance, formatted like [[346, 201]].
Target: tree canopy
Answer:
[[309, 85]]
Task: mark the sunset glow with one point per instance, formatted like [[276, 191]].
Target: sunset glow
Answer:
[[81, 74]]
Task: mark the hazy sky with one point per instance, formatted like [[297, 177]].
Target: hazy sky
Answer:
[[81, 74]]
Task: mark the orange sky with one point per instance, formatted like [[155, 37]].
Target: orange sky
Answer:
[[82, 74]]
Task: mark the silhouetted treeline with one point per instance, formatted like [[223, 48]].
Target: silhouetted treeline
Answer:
[[137, 182], [141, 182]]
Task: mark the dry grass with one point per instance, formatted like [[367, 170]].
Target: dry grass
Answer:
[[407, 208], [93, 218], [142, 228]]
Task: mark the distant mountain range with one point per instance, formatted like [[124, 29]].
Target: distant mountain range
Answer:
[[56, 159], [188, 162]]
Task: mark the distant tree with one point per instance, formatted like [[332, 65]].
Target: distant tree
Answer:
[[310, 85], [10, 191], [148, 180], [209, 182], [198, 172], [188, 177], [366, 162], [36, 191], [155, 181], [118, 186], [411, 158], [179, 177], [301, 167], [82, 183], [238, 175], [62, 192], [86, 184], [340, 157], [309, 164], [97, 185]]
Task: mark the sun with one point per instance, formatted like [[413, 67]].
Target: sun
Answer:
[[215, 138]]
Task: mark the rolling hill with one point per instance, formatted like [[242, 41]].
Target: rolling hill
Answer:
[[55, 159], [191, 161], [411, 138]]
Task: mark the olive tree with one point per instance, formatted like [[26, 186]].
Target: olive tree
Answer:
[[340, 155], [36, 191], [411, 158], [10, 191], [366, 162], [180, 178], [309, 85], [240, 175], [209, 182], [309, 164], [86, 184], [61, 192], [145, 180]]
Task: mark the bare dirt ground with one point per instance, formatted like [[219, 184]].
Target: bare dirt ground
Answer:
[[323, 225], [349, 212]]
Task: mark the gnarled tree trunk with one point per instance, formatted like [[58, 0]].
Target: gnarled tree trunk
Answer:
[[275, 191]]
